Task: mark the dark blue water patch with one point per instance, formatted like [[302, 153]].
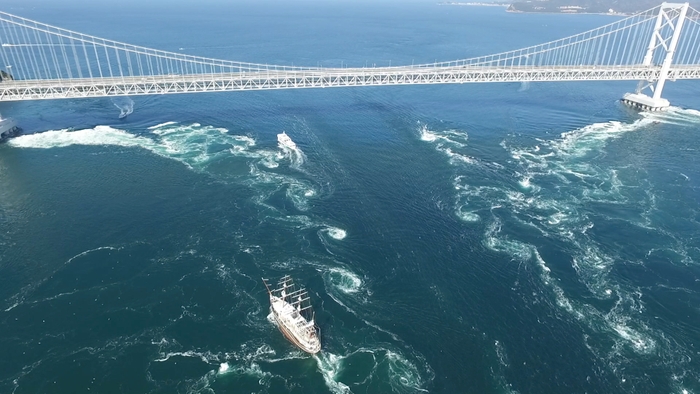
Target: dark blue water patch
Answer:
[[177, 368], [160, 256]]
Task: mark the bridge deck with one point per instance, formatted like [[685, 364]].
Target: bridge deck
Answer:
[[322, 78], [48, 62]]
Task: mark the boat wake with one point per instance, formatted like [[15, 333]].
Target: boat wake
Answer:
[[204, 149], [290, 150], [256, 366], [125, 105]]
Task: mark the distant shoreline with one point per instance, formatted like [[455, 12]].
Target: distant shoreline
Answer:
[[569, 13], [485, 4], [476, 4]]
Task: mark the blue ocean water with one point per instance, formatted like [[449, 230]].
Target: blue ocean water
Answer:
[[481, 238]]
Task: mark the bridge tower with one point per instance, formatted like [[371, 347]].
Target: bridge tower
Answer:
[[662, 47]]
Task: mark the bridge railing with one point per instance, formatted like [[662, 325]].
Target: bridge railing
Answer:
[[623, 42], [30, 50]]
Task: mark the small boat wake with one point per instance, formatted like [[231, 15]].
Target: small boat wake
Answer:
[[125, 105], [291, 150]]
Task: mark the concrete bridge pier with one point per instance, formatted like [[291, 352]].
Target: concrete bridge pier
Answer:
[[8, 128], [664, 40], [643, 102]]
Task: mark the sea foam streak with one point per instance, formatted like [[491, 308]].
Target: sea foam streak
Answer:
[[562, 213], [100, 135], [195, 146], [161, 125], [245, 363], [385, 369], [451, 142], [559, 212], [330, 365]]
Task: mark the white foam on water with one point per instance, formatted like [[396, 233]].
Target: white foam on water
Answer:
[[100, 135], [197, 147], [271, 318], [469, 199], [457, 157], [388, 366], [125, 105], [344, 280], [517, 250], [616, 321], [501, 354], [467, 216], [427, 135], [402, 373], [579, 142], [640, 343], [526, 184], [675, 116], [290, 150], [335, 233], [193, 145], [561, 212], [296, 190], [202, 385], [206, 356], [449, 142], [330, 365], [593, 268], [269, 159], [243, 362], [162, 125], [299, 193]]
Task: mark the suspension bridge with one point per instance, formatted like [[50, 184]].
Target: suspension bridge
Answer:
[[40, 61]]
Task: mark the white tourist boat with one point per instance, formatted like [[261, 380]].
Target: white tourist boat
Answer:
[[291, 310], [285, 142]]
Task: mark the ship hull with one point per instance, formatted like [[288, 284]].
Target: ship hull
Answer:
[[290, 336], [291, 311]]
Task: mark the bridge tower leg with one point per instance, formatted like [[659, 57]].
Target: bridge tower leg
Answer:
[[664, 40]]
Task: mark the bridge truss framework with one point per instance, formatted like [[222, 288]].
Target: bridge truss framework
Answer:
[[39, 61]]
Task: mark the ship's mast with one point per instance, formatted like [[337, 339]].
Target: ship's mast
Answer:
[[267, 286], [300, 300], [285, 283], [297, 292]]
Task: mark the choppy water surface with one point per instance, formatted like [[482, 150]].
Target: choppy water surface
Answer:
[[496, 238]]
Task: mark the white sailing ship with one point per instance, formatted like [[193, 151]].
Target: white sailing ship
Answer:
[[291, 309]]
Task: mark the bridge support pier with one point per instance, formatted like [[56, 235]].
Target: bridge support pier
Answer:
[[8, 128], [645, 103], [664, 40]]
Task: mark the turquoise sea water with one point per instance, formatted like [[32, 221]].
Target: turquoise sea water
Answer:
[[480, 238]]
